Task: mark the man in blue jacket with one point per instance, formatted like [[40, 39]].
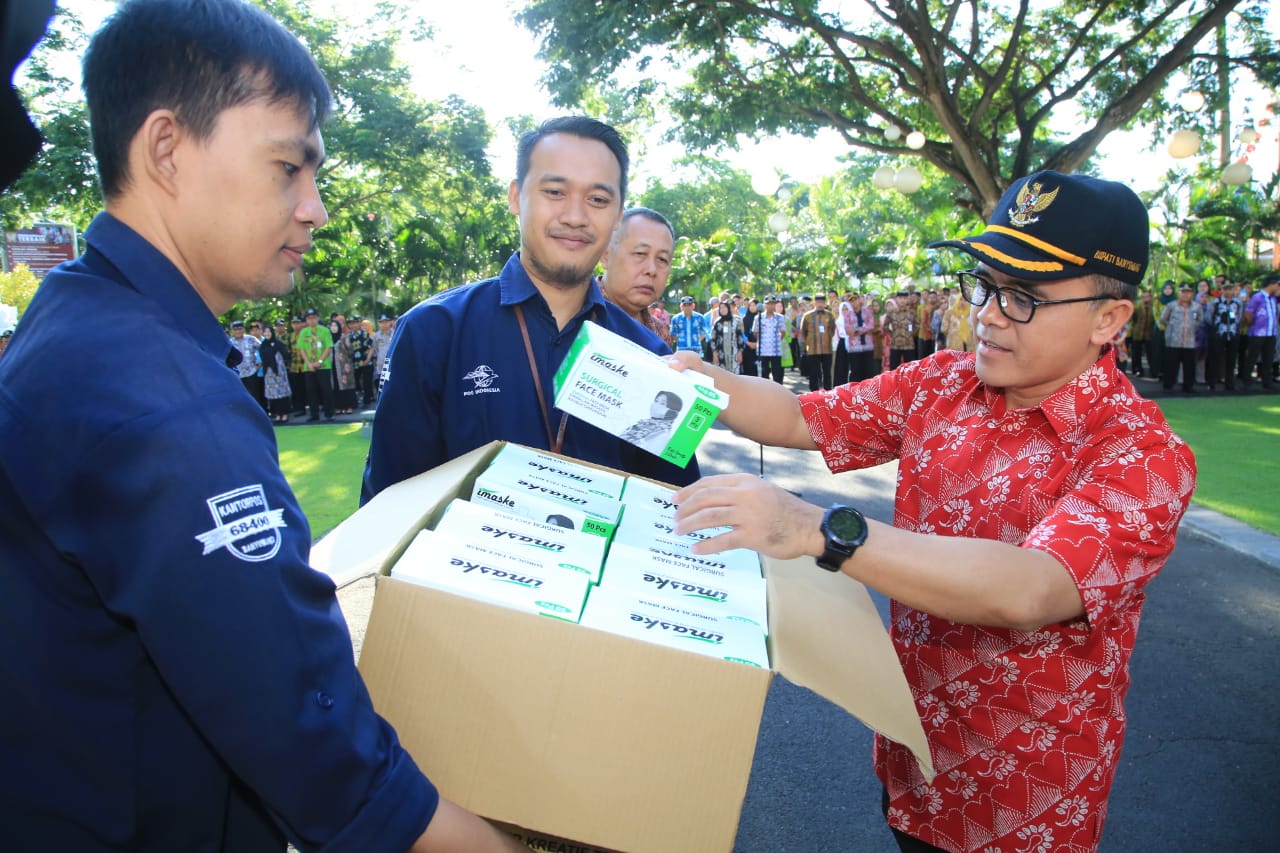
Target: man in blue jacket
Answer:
[[476, 363], [175, 676]]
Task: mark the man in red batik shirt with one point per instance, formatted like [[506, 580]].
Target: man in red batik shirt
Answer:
[[1037, 495]]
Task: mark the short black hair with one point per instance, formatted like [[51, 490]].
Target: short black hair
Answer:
[[643, 213], [580, 126], [197, 58]]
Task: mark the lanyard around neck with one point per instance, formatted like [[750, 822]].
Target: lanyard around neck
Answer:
[[556, 441]]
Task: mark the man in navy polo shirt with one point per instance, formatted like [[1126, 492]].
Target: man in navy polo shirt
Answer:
[[175, 676], [476, 363]]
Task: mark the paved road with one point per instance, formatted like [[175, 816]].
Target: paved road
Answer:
[[1201, 763]]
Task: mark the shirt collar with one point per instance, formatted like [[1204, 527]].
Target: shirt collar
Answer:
[[145, 269], [1069, 406]]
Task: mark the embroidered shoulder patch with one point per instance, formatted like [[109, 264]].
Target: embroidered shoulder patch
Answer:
[[243, 524]]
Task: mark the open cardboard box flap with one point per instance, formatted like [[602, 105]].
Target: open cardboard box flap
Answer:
[[574, 688]]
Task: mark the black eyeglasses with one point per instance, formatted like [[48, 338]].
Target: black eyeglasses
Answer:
[[1018, 305]]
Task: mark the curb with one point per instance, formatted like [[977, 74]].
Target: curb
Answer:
[[1233, 535]]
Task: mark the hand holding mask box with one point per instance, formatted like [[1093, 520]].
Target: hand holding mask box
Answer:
[[627, 391]]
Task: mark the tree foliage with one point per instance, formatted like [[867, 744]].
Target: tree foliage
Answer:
[[413, 206], [984, 82], [17, 288], [62, 184]]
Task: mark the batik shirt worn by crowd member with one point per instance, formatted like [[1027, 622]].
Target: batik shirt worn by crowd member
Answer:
[[902, 327], [1024, 727], [858, 330], [248, 349], [690, 331], [458, 376], [771, 328]]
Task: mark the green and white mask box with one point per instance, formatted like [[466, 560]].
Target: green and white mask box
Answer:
[[639, 492], [568, 549], [627, 391], [738, 567], [546, 501], [490, 574], [596, 481], [647, 526], [621, 611], [743, 601]]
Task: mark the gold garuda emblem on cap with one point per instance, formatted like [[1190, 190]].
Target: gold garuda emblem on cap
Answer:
[[1031, 199]]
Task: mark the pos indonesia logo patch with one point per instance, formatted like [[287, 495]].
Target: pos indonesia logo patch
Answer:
[[243, 524]]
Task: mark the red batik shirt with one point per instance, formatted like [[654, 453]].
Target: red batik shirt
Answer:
[[1024, 727]]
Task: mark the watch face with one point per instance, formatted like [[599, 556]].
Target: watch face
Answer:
[[846, 525]]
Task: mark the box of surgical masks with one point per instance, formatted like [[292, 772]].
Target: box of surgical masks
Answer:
[[739, 601], [646, 525], [568, 549], [546, 501], [627, 391], [490, 574], [596, 481], [643, 617]]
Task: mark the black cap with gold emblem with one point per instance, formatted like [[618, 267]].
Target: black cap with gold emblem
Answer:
[[1050, 226]]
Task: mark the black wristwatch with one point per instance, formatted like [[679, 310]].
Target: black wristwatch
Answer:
[[844, 530]]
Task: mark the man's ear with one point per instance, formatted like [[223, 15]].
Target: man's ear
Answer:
[[1110, 319], [153, 152], [513, 197]]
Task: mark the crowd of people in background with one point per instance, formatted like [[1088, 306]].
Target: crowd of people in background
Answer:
[[308, 369], [830, 338], [1217, 333], [1220, 333]]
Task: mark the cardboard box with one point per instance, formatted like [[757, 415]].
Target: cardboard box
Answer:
[[588, 735]]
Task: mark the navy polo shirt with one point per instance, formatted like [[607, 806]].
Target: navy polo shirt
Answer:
[[458, 377], [175, 676]]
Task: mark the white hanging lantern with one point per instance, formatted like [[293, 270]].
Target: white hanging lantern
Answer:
[[1237, 174], [1249, 136], [779, 222], [1184, 143], [766, 182], [908, 180], [882, 178], [915, 140], [892, 132], [1192, 100]]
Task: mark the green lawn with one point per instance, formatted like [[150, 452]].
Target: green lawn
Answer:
[[1234, 439], [324, 465], [1239, 468]]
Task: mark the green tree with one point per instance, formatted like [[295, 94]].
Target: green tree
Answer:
[[62, 184], [710, 196], [18, 287], [412, 203], [984, 82]]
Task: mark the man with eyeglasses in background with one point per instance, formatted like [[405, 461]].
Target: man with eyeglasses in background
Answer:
[[1037, 495]]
